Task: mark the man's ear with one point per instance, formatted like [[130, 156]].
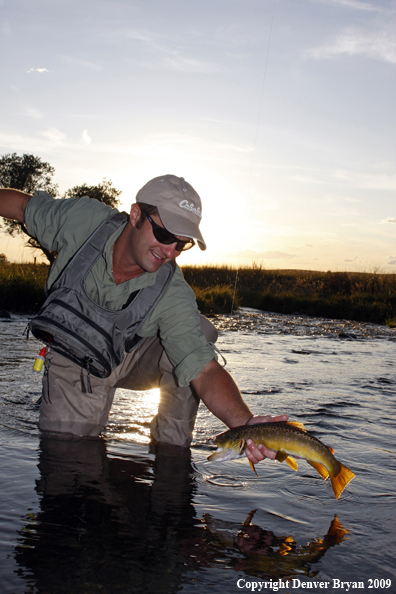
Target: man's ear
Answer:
[[135, 214]]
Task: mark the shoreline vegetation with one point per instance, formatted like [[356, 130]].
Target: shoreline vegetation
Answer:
[[357, 296]]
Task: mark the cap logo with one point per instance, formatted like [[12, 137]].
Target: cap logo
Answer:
[[191, 207]]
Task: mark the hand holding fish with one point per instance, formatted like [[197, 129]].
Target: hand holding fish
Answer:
[[257, 453]]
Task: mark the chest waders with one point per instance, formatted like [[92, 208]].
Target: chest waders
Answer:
[[71, 323]]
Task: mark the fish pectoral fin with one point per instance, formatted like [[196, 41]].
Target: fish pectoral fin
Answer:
[[322, 470], [283, 457], [292, 463], [253, 468], [297, 425]]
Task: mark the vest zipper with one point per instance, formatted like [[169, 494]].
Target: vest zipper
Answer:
[[98, 355], [90, 322]]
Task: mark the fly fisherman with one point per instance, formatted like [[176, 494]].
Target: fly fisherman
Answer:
[[119, 313]]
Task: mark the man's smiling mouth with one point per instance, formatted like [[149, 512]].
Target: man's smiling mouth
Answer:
[[156, 256]]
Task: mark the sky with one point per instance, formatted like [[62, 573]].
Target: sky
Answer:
[[280, 113]]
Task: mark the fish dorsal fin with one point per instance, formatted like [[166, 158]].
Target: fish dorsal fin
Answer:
[[320, 469], [284, 457], [297, 425], [331, 450]]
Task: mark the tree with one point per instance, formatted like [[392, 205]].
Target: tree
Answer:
[[103, 192], [29, 174]]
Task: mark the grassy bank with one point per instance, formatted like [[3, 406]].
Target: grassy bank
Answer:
[[365, 297], [22, 287]]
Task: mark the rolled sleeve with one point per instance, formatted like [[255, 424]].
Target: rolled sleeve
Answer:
[[192, 365]]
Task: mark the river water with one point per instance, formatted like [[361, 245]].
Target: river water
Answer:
[[113, 516]]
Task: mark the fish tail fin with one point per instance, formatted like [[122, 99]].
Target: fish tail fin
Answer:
[[337, 531], [253, 468], [324, 473], [341, 480]]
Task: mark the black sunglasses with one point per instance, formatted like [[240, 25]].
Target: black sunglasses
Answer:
[[164, 236]]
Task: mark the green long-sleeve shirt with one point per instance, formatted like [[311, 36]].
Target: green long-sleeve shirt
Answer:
[[64, 225]]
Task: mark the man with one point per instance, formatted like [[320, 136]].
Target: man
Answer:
[[119, 313]]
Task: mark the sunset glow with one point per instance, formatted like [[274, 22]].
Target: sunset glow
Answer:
[[279, 113]]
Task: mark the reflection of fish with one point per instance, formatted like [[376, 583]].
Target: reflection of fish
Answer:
[[285, 439], [263, 552]]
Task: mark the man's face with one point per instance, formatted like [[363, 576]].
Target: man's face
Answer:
[[146, 251]]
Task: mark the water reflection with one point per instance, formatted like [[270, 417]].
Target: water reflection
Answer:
[[131, 415], [109, 524], [103, 521], [266, 554]]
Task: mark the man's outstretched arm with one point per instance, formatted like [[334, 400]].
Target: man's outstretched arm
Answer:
[[13, 204], [218, 391]]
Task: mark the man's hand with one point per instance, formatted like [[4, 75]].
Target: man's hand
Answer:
[[255, 454]]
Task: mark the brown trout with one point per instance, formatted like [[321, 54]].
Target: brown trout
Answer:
[[287, 439]]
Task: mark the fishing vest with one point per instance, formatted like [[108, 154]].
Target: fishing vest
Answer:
[[71, 323]]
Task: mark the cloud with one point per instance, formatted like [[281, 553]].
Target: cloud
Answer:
[[5, 27], [377, 45], [371, 181], [28, 110], [175, 61], [169, 58], [147, 37], [276, 255], [40, 70], [306, 179], [36, 144], [236, 148], [33, 112], [389, 220], [355, 4], [84, 63], [53, 135], [85, 138]]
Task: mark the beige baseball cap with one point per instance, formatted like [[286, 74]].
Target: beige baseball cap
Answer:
[[178, 204]]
